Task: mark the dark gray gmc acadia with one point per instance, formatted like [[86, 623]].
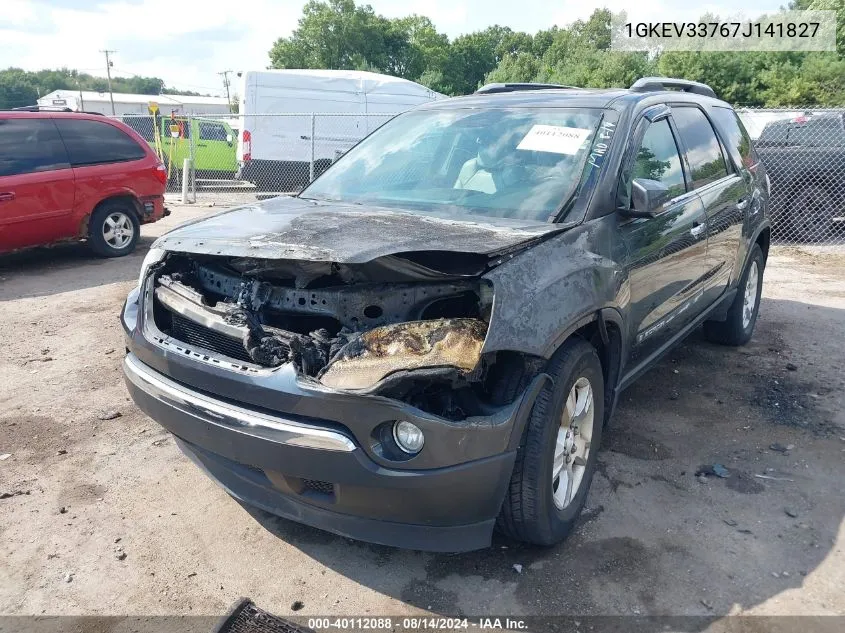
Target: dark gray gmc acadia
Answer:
[[426, 343]]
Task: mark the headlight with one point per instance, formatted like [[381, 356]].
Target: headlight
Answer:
[[376, 353], [154, 256]]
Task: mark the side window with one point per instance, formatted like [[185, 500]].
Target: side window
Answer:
[[94, 142], [658, 159], [703, 150], [738, 141], [818, 131], [29, 146], [212, 131]]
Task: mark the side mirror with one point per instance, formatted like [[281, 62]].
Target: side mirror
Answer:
[[647, 198], [230, 139]]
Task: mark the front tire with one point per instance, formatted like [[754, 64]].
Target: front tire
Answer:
[[738, 327], [556, 457], [114, 229]]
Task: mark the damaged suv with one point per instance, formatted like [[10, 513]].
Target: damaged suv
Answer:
[[426, 343]]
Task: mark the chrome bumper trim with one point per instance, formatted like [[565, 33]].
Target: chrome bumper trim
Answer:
[[222, 413]]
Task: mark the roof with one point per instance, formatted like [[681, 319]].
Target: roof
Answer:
[[552, 98], [58, 114], [566, 98], [124, 97]]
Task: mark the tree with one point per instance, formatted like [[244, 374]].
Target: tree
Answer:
[[21, 88], [16, 89], [340, 34]]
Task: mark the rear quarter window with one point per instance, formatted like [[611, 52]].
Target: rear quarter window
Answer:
[[96, 142], [735, 136], [30, 146]]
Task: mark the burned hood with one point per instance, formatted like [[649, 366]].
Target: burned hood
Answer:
[[294, 228]]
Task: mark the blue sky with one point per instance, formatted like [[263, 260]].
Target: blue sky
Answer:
[[186, 42]]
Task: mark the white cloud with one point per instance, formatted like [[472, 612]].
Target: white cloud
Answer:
[[18, 12], [188, 42]]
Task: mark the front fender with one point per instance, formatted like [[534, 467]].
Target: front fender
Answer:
[[547, 291]]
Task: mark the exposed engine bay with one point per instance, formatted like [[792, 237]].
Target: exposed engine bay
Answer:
[[394, 326]]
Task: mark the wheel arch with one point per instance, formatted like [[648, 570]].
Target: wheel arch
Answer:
[[128, 197]]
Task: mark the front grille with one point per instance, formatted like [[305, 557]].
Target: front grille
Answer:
[[315, 485], [193, 333]]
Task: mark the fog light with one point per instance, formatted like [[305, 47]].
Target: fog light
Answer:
[[409, 437]]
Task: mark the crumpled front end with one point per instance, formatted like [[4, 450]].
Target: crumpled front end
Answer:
[[246, 360], [393, 327]]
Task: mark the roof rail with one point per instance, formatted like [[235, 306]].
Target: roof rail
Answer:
[[38, 108], [652, 84], [516, 87]]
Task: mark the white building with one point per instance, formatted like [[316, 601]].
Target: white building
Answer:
[[89, 101]]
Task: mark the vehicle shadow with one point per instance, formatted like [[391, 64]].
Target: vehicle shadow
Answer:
[[67, 267], [655, 539]]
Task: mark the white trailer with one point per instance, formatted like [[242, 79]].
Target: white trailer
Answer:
[[294, 123], [124, 103]]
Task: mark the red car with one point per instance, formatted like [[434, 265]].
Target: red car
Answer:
[[67, 175]]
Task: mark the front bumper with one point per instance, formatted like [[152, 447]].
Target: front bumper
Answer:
[[303, 454], [321, 477]]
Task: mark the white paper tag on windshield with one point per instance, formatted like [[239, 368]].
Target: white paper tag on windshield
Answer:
[[554, 139]]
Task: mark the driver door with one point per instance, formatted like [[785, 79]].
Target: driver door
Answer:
[[668, 252]]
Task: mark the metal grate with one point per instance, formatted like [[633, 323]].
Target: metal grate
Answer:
[[247, 618], [187, 331], [315, 485]]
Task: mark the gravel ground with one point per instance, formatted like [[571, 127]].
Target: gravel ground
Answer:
[[100, 514]]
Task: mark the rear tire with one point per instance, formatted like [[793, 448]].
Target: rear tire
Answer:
[[536, 508], [114, 229], [738, 327]]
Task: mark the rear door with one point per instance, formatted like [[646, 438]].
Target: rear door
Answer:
[[725, 193], [36, 184], [667, 253], [102, 157]]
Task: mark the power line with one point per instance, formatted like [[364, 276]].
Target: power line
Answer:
[[108, 74]]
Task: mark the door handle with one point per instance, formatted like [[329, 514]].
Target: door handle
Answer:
[[7, 196], [697, 229]]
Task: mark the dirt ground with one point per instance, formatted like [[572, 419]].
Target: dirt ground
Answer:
[[108, 517]]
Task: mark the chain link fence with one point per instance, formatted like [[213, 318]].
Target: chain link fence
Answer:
[[235, 159], [804, 155]]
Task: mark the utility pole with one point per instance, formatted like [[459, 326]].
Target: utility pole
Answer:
[[108, 74], [225, 75]]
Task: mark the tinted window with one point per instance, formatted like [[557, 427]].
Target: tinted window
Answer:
[[212, 132], [817, 132], [703, 150], [737, 139], [658, 159], [30, 145], [773, 135], [94, 142]]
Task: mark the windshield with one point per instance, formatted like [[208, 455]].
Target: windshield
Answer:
[[511, 163]]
